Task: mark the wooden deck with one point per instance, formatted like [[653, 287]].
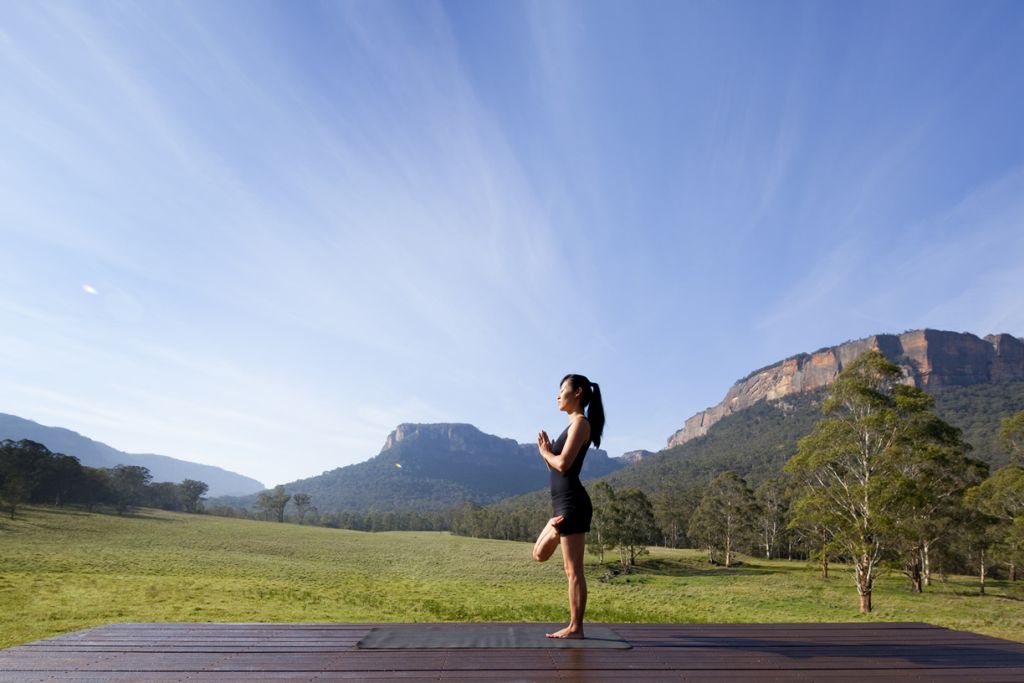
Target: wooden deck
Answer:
[[662, 652]]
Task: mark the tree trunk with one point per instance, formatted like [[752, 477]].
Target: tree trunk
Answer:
[[926, 564], [728, 551], [981, 585], [864, 585], [915, 576], [824, 565], [1013, 569]]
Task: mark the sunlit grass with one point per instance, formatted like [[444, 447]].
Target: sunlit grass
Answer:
[[62, 571]]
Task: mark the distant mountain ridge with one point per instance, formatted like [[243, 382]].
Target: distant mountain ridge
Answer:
[[95, 454], [433, 467], [930, 359]]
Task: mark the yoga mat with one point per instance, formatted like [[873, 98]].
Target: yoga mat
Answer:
[[469, 635]]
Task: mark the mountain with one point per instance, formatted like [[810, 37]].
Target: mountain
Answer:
[[95, 454], [930, 359], [433, 467]]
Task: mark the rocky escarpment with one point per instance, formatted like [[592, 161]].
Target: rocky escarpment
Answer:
[[929, 358], [635, 456], [453, 436]]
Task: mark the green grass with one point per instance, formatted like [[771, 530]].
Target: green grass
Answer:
[[63, 570]]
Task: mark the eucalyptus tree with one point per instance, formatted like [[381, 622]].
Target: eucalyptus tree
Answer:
[[673, 507], [631, 525], [864, 467], [271, 504], [600, 537], [1011, 436], [934, 472], [1001, 497], [302, 503], [772, 498], [129, 484], [725, 516], [190, 491]]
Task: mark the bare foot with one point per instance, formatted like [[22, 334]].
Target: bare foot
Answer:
[[567, 632]]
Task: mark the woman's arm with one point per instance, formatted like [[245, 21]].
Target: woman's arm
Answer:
[[579, 433]]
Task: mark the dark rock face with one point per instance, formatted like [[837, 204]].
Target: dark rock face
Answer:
[[929, 358]]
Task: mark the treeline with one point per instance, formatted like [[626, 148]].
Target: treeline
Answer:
[[31, 473], [276, 505]]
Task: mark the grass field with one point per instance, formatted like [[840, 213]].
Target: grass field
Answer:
[[64, 570]]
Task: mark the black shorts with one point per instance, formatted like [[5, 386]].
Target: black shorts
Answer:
[[577, 511]]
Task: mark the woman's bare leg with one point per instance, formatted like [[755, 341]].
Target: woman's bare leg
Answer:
[[572, 556], [547, 541]]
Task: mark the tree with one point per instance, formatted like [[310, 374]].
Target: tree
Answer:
[[632, 525], [62, 474], [1011, 436], [772, 498], [23, 467], [976, 539], [302, 502], [1001, 497], [860, 465], [600, 538], [164, 495], [129, 485], [465, 519], [673, 507], [190, 492], [272, 504], [96, 487], [14, 490], [932, 464], [724, 517]]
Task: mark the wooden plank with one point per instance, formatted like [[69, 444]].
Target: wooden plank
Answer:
[[995, 675]]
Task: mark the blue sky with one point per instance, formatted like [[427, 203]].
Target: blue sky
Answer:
[[305, 223]]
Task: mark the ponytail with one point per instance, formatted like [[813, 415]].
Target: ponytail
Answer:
[[591, 399]]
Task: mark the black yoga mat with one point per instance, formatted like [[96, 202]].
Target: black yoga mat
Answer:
[[471, 635]]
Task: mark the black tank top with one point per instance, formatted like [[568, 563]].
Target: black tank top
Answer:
[[567, 485]]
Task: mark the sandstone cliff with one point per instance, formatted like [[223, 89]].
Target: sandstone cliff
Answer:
[[929, 358], [635, 456]]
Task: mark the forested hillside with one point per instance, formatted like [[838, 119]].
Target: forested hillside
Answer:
[[756, 442], [431, 468]]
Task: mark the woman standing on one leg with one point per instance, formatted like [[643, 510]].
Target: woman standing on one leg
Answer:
[[569, 500]]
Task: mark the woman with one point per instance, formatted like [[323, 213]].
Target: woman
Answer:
[[569, 500]]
